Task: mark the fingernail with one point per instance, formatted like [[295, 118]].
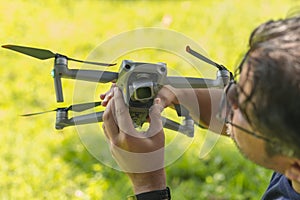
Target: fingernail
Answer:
[[157, 100]]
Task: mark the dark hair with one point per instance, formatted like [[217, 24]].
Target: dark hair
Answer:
[[273, 105]]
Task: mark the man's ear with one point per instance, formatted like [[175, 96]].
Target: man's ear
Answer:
[[293, 171], [233, 97]]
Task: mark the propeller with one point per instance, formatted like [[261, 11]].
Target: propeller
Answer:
[[44, 54], [75, 108], [205, 59]]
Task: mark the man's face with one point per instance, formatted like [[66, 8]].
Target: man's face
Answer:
[[252, 147]]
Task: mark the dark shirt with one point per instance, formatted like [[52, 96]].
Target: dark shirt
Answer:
[[280, 188]]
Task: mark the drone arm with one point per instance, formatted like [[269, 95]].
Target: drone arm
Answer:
[[62, 120], [187, 128], [223, 77], [61, 70], [187, 82], [88, 118], [58, 89], [90, 75]]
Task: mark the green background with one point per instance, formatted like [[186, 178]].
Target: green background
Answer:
[[38, 162]]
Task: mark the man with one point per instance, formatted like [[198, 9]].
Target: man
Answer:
[[261, 112]]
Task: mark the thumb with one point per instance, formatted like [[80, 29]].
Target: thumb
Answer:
[[122, 113], [155, 118]]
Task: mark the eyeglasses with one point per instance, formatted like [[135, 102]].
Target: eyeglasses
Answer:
[[225, 113]]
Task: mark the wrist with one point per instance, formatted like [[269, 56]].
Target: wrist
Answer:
[[164, 194], [182, 96], [150, 181], [176, 95]]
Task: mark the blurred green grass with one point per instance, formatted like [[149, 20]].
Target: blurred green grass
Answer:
[[37, 162]]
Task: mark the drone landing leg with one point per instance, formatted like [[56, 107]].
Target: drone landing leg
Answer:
[[187, 128], [60, 64]]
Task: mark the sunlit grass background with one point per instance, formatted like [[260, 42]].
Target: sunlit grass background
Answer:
[[38, 162]]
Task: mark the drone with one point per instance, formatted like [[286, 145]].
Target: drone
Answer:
[[139, 82]]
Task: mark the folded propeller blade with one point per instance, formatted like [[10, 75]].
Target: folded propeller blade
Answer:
[[83, 106], [91, 63], [203, 58], [44, 54], [38, 113], [76, 108]]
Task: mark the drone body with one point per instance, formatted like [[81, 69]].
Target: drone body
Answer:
[[139, 83]]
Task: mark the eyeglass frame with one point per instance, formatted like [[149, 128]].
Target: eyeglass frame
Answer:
[[229, 111]]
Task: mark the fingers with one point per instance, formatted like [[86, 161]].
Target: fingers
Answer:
[[110, 127], [167, 95], [122, 113], [106, 97], [117, 119], [155, 118]]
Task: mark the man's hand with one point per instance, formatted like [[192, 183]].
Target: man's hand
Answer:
[[139, 154], [168, 95], [107, 95]]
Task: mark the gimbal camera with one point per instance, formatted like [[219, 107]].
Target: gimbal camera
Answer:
[[139, 83]]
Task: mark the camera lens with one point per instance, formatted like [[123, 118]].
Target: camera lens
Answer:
[[143, 93]]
